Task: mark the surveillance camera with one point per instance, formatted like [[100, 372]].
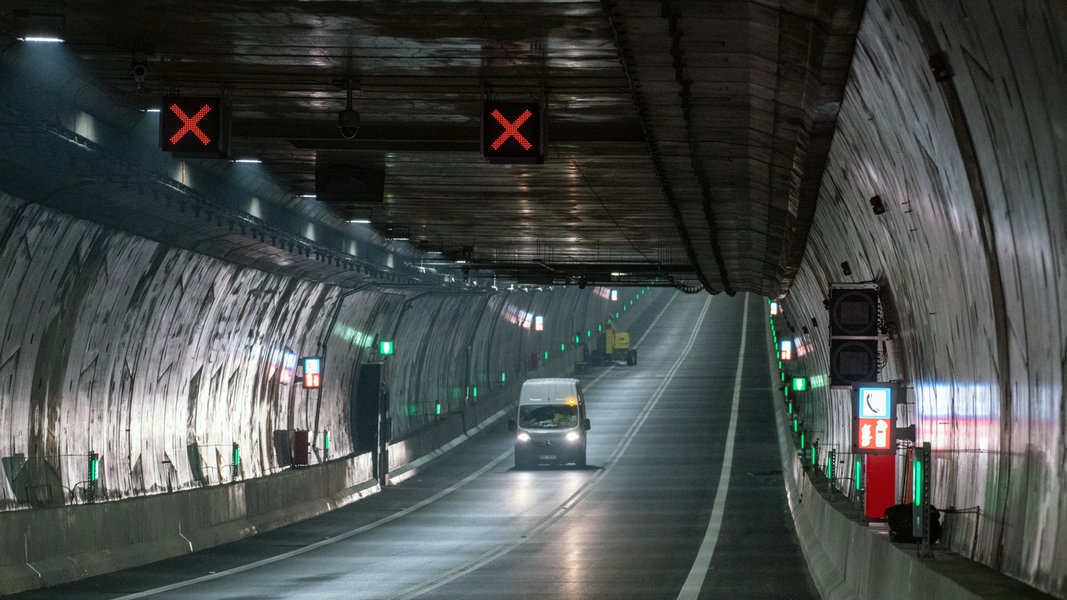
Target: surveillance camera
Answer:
[[348, 123]]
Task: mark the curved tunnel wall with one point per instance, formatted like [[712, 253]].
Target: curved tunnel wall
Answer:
[[160, 359], [146, 350], [969, 255]]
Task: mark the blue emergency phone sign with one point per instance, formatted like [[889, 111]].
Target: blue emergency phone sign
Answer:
[[874, 418]]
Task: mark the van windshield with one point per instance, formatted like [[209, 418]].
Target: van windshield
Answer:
[[548, 416]]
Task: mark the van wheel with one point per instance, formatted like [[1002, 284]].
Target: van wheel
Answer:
[[580, 462]]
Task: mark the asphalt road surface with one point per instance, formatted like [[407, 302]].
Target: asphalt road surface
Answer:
[[682, 498]]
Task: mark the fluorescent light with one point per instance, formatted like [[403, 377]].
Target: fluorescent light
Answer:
[[150, 110], [400, 239], [248, 161], [308, 196], [40, 39], [364, 221]]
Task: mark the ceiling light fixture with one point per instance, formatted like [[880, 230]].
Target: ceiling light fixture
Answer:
[[39, 28], [248, 161]]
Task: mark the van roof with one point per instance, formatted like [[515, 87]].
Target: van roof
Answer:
[[550, 381], [548, 389]]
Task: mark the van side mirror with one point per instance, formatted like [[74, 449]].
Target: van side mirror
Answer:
[[512, 425], [586, 425]]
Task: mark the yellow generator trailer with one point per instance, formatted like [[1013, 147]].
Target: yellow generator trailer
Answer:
[[613, 346]]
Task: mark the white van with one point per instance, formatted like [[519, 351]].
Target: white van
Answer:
[[550, 423]]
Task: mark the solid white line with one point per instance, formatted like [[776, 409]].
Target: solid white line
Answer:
[[303, 550], [493, 463], [493, 554], [691, 587]]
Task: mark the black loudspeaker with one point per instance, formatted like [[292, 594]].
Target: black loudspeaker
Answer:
[[853, 361], [342, 184], [853, 312]]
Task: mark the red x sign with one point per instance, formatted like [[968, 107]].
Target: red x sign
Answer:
[[511, 129], [192, 126], [511, 132], [189, 124]]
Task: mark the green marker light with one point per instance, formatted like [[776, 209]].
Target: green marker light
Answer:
[[94, 466], [917, 482], [858, 473]]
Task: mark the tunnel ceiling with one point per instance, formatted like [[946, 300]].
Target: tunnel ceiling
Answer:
[[684, 141]]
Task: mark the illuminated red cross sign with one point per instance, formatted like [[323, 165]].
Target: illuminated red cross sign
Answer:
[[189, 124], [511, 132], [192, 126]]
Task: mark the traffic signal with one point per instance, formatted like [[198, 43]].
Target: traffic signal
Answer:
[[854, 312], [853, 334], [853, 361]]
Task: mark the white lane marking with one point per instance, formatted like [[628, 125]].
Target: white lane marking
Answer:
[[287, 555], [494, 553], [388, 519], [691, 587]]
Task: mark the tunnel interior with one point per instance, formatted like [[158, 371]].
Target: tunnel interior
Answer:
[[166, 343]]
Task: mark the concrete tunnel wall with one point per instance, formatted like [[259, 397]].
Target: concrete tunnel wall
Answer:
[[159, 359], [969, 255]]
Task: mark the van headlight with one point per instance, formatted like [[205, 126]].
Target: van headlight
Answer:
[[523, 437], [572, 436]]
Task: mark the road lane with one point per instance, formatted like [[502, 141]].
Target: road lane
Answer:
[[468, 525]]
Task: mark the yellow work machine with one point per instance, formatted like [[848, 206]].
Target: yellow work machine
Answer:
[[613, 346]]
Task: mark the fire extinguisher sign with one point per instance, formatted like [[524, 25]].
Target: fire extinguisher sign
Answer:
[[874, 418]]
